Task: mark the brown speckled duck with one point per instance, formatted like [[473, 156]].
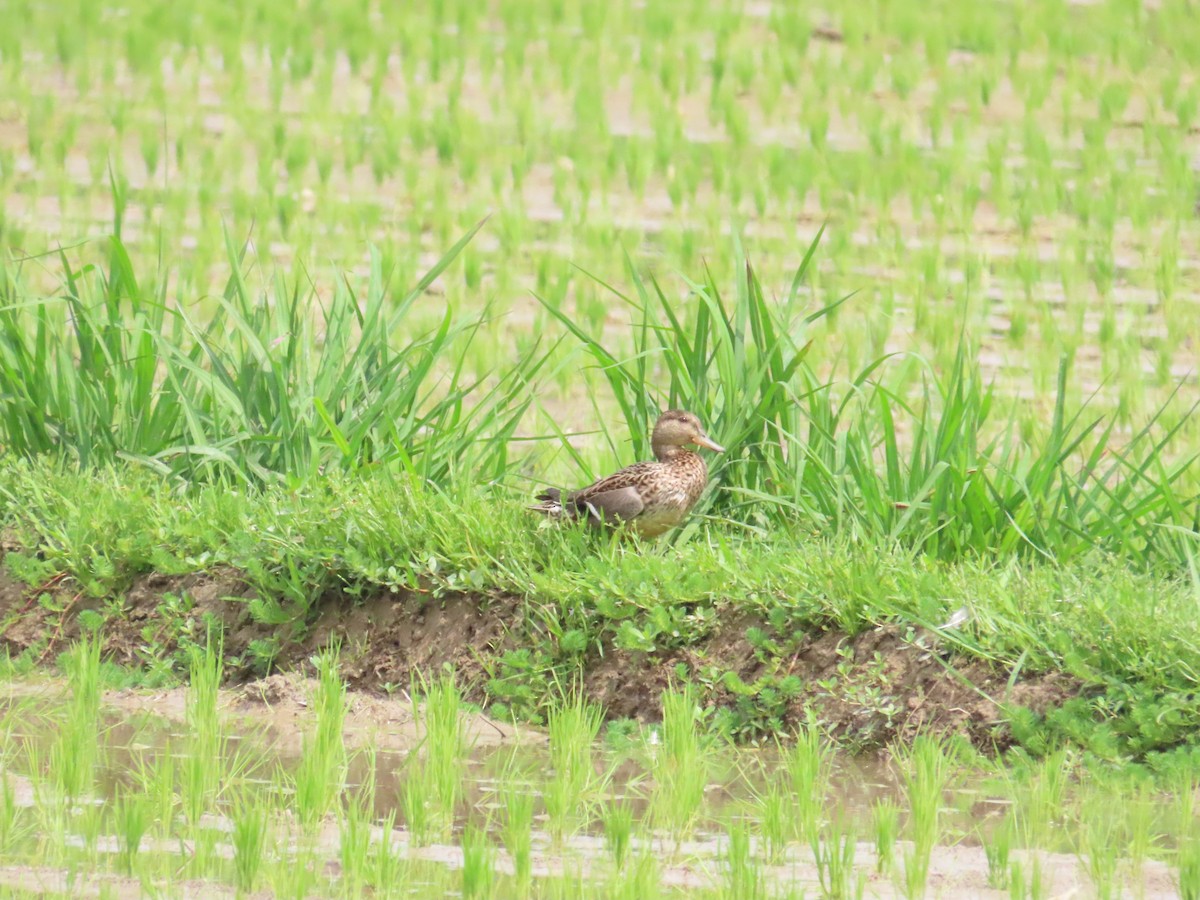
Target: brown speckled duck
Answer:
[[651, 497]]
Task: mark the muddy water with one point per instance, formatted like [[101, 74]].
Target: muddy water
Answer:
[[267, 722]]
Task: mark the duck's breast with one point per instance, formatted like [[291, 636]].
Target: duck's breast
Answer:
[[656, 520]]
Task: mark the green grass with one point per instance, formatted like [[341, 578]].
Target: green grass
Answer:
[[246, 387], [262, 394], [348, 466], [1130, 636], [302, 505]]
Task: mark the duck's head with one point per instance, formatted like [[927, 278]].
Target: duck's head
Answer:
[[676, 429]]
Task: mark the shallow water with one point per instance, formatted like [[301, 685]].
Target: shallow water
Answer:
[[135, 739]]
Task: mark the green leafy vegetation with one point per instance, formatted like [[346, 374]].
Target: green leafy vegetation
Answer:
[[262, 395], [1128, 637], [300, 304]]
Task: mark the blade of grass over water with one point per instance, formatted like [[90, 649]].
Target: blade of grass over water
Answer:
[[573, 725], [73, 755], [254, 831]]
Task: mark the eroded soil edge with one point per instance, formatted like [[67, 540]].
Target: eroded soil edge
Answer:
[[882, 684]]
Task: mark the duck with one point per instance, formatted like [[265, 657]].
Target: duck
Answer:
[[649, 498]]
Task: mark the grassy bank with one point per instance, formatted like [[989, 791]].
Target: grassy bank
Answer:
[[728, 610], [272, 386], [340, 480]]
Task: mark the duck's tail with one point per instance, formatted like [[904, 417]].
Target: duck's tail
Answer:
[[550, 503]]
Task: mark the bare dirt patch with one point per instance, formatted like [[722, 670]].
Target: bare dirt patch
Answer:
[[387, 637], [867, 689], [280, 704], [883, 683]]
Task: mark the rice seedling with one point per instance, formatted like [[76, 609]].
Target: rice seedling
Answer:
[[573, 726], [773, 812], [743, 876], [1138, 835], [926, 769], [477, 873], [354, 842], [250, 838], [833, 853], [202, 770], [1098, 846], [321, 773], [444, 750], [885, 825], [132, 818], [1037, 888], [1187, 867], [808, 763], [640, 878], [10, 814], [1015, 879], [414, 805], [1041, 801], [73, 755], [680, 763], [517, 834], [386, 867], [617, 817], [997, 845], [88, 824], [205, 857], [52, 821], [294, 875], [156, 779]]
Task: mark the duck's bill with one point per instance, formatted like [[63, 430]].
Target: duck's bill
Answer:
[[705, 441]]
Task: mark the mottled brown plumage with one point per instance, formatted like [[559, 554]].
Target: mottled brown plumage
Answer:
[[651, 497]]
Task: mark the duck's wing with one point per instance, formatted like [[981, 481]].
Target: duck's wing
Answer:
[[619, 496], [621, 505]]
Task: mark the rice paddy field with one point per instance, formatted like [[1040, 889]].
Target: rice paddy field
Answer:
[[301, 303]]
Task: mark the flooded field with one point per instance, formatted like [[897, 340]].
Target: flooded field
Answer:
[[296, 787], [1038, 194]]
